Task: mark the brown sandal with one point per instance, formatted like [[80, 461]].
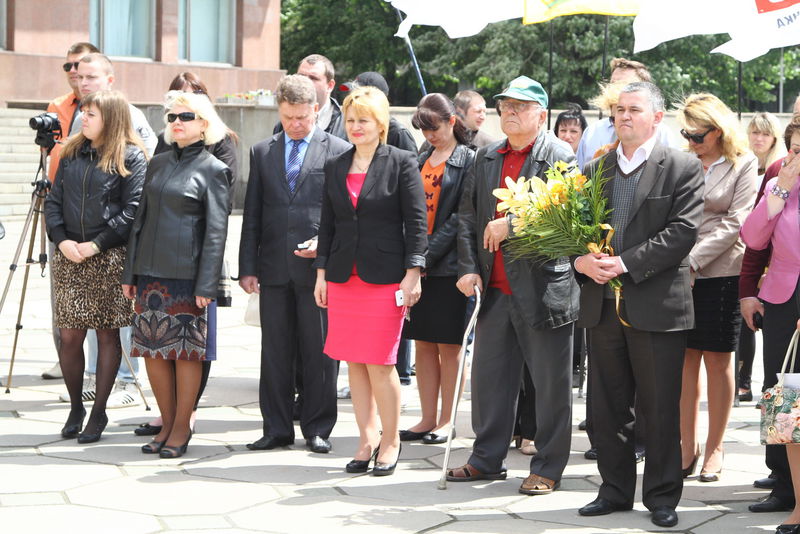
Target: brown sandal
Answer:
[[538, 485], [468, 473]]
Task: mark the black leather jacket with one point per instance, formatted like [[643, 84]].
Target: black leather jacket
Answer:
[[87, 204], [442, 256], [182, 223]]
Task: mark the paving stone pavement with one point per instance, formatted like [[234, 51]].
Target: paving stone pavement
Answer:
[[51, 485]]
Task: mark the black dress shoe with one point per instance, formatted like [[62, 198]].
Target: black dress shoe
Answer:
[[582, 426], [91, 437], [639, 455], [771, 504], [269, 442], [408, 435], [591, 454], [361, 466], [146, 429], [318, 444], [175, 452], [765, 483], [746, 396], [72, 429], [788, 529], [154, 447], [432, 438], [664, 516], [381, 469], [601, 506]]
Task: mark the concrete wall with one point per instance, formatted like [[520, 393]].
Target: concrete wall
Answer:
[[41, 31]]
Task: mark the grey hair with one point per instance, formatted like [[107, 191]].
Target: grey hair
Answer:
[[296, 89], [650, 89]]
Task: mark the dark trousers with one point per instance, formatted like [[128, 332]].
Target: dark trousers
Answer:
[[780, 322], [525, 425], [503, 342], [634, 366], [745, 353], [291, 322]]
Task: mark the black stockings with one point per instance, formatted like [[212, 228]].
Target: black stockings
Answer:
[[109, 352]]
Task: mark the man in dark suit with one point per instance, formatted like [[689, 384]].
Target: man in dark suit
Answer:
[[528, 307], [278, 244], [656, 194]]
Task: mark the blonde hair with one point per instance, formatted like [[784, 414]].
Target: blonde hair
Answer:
[[116, 135], [369, 101], [609, 96], [704, 110], [767, 123], [203, 108]]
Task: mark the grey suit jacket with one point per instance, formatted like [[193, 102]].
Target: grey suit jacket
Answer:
[[662, 229], [276, 220], [545, 292]]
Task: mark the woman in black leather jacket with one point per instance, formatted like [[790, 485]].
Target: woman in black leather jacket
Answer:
[[437, 321], [226, 151], [88, 215], [174, 259]]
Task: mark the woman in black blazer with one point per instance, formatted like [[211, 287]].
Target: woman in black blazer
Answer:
[[372, 243], [437, 324]]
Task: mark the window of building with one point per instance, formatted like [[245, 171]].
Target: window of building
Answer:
[[3, 23], [123, 27], [207, 30]]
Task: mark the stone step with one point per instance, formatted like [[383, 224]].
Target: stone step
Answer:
[[18, 166], [18, 139], [7, 210], [16, 157], [19, 113], [20, 148], [18, 177], [7, 129], [14, 188], [15, 199]]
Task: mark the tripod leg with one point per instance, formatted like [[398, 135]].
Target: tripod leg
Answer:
[[34, 214], [135, 378], [15, 261]]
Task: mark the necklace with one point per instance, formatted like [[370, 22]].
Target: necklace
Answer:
[[361, 168]]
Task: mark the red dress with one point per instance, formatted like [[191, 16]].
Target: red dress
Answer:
[[364, 322]]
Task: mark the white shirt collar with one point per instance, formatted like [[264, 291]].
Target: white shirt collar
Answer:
[[640, 155]]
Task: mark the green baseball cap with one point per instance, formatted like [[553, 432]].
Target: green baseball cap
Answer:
[[524, 88]]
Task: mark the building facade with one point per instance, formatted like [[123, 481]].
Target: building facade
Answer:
[[233, 45]]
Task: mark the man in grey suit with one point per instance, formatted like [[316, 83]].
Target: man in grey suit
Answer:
[[656, 194], [528, 307], [278, 244]]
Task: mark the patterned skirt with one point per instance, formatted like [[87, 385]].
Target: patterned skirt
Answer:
[[88, 295], [168, 325]]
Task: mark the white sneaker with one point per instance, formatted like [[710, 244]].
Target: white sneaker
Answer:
[[53, 373], [88, 394], [124, 394]]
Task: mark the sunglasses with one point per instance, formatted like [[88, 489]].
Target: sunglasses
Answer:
[[186, 116], [696, 138], [68, 65]]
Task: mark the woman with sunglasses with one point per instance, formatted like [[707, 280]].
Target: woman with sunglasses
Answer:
[[731, 173], [174, 259], [89, 214], [225, 151]]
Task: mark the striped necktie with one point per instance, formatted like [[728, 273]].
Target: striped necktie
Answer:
[[293, 167]]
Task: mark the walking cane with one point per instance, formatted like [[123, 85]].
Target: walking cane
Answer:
[[457, 394], [135, 378]]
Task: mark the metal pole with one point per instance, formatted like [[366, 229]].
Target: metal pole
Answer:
[[739, 91], [780, 86], [413, 58], [550, 77]]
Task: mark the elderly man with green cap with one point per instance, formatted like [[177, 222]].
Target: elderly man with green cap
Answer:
[[528, 306]]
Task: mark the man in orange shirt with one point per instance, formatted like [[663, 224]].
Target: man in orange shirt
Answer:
[[65, 106]]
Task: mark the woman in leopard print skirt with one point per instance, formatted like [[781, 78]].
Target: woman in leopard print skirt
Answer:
[[88, 214]]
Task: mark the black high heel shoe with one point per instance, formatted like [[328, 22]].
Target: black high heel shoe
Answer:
[[381, 469], [175, 452], [690, 470], [87, 437], [154, 447], [361, 466], [72, 430]]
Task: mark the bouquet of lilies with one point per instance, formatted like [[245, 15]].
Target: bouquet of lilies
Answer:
[[563, 216]]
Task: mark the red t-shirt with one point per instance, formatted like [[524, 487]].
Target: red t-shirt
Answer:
[[513, 161]]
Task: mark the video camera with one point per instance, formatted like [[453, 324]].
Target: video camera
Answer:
[[48, 129]]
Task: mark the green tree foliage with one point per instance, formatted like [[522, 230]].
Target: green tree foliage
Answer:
[[358, 35]]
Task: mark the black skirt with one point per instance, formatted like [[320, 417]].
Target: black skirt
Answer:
[[717, 315], [439, 316]]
